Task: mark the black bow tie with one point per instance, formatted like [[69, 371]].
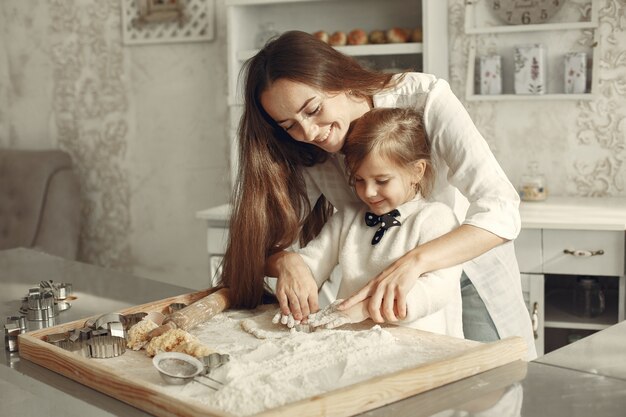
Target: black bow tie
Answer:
[[386, 221]]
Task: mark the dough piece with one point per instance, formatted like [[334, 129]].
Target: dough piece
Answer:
[[416, 35], [378, 36], [177, 340], [196, 349], [250, 326], [397, 35], [357, 37], [321, 35], [338, 39], [137, 334]]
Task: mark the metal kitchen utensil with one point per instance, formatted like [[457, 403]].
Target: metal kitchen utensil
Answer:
[[179, 368], [214, 360], [175, 307], [11, 331], [103, 347], [80, 347], [133, 318]]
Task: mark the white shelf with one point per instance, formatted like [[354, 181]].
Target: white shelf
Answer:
[[475, 9], [528, 97], [360, 50], [478, 9], [531, 28]]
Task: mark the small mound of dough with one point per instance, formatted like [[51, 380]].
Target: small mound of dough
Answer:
[[137, 335], [177, 340]]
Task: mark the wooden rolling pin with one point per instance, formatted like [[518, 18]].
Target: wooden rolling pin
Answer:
[[195, 313]]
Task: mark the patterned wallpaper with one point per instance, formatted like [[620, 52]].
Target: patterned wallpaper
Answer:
[[143, 124], [90, 115], [580, 145]]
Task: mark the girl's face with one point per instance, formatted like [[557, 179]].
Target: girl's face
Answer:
[[311, 115], [383, 185]]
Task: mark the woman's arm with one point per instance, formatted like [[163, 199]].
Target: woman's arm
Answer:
[[387, 292]]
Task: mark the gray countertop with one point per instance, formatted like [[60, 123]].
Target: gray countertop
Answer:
[[586, 378], [602, 353]]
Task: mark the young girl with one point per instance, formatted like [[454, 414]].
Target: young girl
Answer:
[[388, 159]]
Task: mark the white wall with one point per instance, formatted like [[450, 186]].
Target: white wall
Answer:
[[579, 145]]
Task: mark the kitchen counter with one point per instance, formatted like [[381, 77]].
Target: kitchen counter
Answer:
[[602, 353], [575, 213], [552, 387]]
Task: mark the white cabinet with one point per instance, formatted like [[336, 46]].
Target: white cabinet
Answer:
[[216, 219], [572, 29], [246, 18], [564, 240]]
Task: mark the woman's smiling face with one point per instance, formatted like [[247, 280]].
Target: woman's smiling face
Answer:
[[310, 115]]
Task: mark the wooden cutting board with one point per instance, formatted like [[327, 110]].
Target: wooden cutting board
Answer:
[[464, 358]]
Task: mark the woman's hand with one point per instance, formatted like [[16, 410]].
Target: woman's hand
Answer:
[[296, 289], [387, 292]]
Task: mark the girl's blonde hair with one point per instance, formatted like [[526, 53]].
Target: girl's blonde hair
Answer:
[[395, 134]]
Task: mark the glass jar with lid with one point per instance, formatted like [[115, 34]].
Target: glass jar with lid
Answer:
[[533, 184]]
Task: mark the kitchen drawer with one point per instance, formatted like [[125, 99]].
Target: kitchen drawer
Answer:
[[556, 261], [528, 250]]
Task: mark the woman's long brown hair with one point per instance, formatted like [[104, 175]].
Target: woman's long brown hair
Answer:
[[271, 210]]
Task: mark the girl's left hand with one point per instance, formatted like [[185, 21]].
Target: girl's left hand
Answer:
[[387, 292]]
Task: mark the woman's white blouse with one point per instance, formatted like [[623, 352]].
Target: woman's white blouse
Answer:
[[468, 179]]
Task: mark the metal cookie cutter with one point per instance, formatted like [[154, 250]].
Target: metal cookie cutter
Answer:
[[214, 360], [41, 305], [113, 323], [80, 347], [175, 307], [132, 319], [179, 368], [103, 347], [11, 331]]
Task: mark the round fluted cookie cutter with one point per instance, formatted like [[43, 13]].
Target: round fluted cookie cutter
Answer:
[[103, 347]]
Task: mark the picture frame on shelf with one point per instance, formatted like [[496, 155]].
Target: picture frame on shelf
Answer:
[[157, 11]]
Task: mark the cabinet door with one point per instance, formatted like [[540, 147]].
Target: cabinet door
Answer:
[[583, 252], [533, 289], [528, 250]]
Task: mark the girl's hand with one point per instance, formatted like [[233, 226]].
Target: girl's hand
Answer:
[[331, 317], [387, 292], [296, 289]]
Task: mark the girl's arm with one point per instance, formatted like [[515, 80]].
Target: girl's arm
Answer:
[[302, 272]]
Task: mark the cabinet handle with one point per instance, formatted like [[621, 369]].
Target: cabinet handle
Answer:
[[583, 253], [534, 318]]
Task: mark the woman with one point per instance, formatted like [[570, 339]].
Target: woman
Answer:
[[301, 96]]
